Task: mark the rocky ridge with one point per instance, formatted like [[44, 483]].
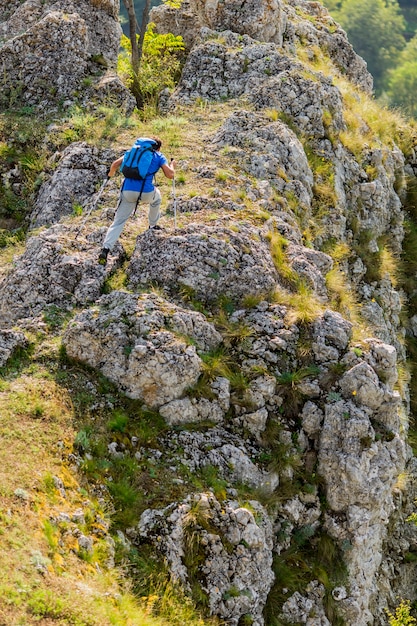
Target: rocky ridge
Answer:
[[51, 51], [314, 396]]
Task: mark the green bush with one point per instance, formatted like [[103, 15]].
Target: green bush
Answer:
[[159, 68]]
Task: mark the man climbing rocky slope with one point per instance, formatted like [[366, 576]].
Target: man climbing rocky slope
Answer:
[[279, 267]]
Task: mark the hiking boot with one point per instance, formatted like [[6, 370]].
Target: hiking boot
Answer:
[[102, 257], [156, 227]]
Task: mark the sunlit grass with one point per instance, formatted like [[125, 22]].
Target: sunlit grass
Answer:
[[303, 306]]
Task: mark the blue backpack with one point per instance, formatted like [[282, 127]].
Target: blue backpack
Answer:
[[137, 160]]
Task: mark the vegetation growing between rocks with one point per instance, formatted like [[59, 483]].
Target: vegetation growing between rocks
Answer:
[[104, 454], [44, 567], [119, 420], [159, 68]]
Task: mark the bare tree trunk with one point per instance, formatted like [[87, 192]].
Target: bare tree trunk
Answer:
[[143, 26], [132, 34]]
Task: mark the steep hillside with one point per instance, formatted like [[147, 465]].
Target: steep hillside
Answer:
[[213, 427]]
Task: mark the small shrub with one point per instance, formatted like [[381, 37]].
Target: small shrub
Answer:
[[402, 615], [233, 332], [222, 175], [45, 603], [118, 421], [278, 245], [303, 306], [82, 440]]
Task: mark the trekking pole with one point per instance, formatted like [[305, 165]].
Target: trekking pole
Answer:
[[92, 207], [175, 200]]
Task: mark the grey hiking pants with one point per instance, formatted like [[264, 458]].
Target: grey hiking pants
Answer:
[[125, 208]]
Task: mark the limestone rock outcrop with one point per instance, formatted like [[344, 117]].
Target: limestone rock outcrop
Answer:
[[48, 52], [215, 261], [73, 182], [278, 22], [239, 329], [236, 544], [54, 271], [141, 345]]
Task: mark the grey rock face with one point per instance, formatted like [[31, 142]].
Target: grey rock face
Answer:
[[194, 410], [260, 20], [269, 151], [316, 27], [332, 334], [211, 261], [41, 74], [214, 261], [360, 456], [227, 67], [275, 22], [138, 344], [81, 37], [236, 543], [308, 101], [73, 182], [307, 609], [227, 452], [53, 271]]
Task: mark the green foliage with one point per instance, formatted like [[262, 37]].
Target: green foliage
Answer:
[[162, 598], [104, 124], [55, 317], [217, 363], [52, 536], [82, 440], [159, 67], [233, 332], [402, 615], [20, 138], [211, 479], [376, 30], [119, 421], [278, 245], [292, 379], [402, 80], [10, 238], [288, 385], [45, 604]]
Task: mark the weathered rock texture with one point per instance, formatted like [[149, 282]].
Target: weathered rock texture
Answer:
[[214, 261], [49, 50], [236, 545], [10, 341], [136, 343], [54, 271], [283, 23], [72, 183], [273, 396]]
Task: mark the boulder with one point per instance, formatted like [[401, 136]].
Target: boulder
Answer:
[[142, 344], [55, 270], [48, 49], [74, 181], [235, 548], [209, 261], [268, 151]]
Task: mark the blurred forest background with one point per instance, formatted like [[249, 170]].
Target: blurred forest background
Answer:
[[383, 32]]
